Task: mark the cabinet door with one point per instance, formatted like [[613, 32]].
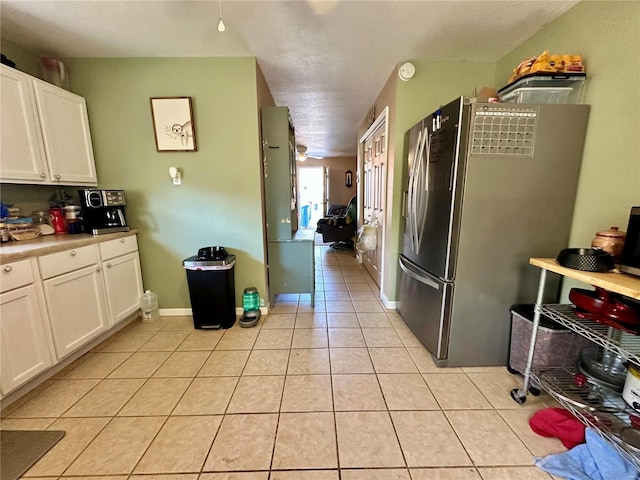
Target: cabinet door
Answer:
[[291, 267], [22, 159], [67, 139], [23, 338], [123, 282], [277, 133], [77, 308]]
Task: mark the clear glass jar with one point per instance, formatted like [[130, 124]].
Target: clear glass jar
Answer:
[[4, 233], [40, 217]]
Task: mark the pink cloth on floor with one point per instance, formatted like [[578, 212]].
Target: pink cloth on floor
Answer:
[[560, 423]]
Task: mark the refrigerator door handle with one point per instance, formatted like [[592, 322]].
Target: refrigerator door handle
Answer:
[[424, 203], [412, 195], [417, 275]]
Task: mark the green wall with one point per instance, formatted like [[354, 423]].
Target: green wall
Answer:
[[219, 201], [607, 35]]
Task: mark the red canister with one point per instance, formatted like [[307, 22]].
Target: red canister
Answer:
[[57, 220]]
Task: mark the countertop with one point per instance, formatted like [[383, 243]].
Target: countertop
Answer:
[[302, 235], [614, 281], [45, 244]]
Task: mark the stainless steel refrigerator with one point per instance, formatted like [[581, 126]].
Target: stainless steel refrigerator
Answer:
[[488, 186]]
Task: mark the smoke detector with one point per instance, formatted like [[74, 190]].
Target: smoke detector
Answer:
[[406, 71]]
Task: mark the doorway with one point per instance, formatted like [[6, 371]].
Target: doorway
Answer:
[[312, 191]]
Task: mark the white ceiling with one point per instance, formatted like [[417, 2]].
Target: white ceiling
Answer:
[[326, 60]]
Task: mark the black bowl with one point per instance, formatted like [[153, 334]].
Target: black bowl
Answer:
[[586, 259]]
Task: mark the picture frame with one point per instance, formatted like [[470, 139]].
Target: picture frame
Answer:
[[173, 125], [348, 178]]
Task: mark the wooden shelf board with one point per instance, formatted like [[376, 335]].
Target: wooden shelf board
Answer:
[[614, 281]]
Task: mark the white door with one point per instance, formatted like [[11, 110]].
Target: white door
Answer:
[[312, 181], [77, 308], [22, 155], [374, 205], [123, 283], [67, 139], [23, 338]]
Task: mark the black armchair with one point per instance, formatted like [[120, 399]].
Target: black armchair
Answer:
[[339, 229]]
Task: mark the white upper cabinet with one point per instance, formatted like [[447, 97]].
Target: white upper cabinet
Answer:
[[55, 147], [67, 139], [22, 155]]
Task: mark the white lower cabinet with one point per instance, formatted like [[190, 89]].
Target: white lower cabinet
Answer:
[[123, 282], [24, 338], [77, 308], [54, 305]]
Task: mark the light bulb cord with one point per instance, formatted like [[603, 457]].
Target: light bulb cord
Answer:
[[221, 26]]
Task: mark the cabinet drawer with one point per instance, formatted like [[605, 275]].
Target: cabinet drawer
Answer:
[[117, 247], [16, 274], [67, 261]]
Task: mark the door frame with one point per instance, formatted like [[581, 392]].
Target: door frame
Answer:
[[325, 186]]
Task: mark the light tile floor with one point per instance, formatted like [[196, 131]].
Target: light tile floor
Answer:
[[342, 390]]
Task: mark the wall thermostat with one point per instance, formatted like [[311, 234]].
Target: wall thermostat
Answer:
[[406, 71]]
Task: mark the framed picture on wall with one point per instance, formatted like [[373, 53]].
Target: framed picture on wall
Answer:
[[173, 125]]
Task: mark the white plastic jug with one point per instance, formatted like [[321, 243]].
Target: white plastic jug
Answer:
[[149, 306]]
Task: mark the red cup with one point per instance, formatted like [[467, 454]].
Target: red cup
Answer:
[[57, 220]]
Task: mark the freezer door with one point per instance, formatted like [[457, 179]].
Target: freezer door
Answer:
[[425, 306]]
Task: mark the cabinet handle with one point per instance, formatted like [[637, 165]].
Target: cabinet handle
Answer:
[[99, 269], [43, 175], [58, 177], [109, 265], [7, 269], [73, 253], [122, 240]]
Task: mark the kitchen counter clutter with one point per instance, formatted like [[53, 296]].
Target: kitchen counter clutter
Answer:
[[594, 404], [59, 295]]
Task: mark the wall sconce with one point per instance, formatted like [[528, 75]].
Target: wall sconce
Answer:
[[348, 178], [175, 175]]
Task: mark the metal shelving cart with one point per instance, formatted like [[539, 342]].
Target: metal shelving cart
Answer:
[[596, 406]]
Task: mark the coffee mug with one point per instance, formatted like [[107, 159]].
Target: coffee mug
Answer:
[[74, 227]]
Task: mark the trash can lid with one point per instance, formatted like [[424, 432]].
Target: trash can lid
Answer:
[[212, 253], [194, 263]]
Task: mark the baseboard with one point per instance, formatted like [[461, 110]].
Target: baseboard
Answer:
[[388, 304], [176, 312]]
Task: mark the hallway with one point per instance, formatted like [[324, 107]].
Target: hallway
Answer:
[[342, 390]]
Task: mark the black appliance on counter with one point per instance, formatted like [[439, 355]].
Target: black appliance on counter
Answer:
[[630, 257], [103, 211], [211, 282]]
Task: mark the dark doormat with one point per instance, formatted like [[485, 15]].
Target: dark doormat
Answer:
[[20, 449]]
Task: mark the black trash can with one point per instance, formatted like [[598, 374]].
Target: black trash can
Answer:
[[211, 288]]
